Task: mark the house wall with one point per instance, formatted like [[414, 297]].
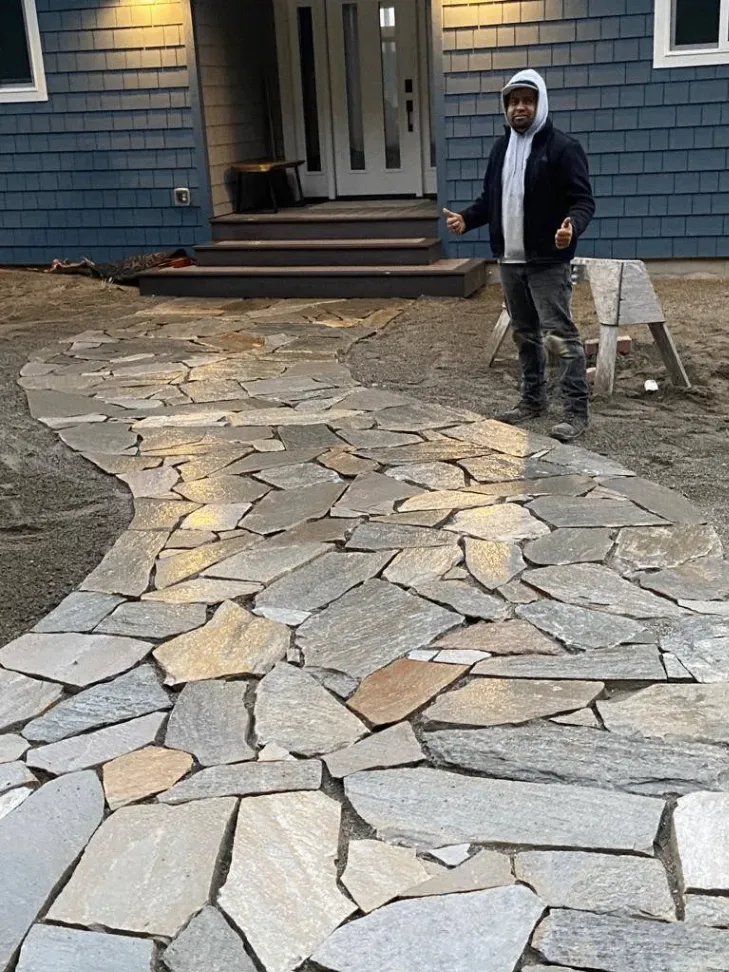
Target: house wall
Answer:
[[657, 140], [91, 171], [236, 51]]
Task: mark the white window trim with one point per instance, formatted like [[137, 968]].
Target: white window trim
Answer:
[[37, 90], [664, 56]]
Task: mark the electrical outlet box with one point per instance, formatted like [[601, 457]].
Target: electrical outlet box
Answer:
[[181, 197]]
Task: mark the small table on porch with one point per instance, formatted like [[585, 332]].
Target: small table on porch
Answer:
[[268, 171]]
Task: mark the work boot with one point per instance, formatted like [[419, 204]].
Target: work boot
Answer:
[[523, 412], [572, 426]]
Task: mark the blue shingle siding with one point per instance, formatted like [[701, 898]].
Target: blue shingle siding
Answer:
[[657, 140], [91, 171]]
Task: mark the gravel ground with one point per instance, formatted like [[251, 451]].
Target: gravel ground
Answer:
[[436, 351]]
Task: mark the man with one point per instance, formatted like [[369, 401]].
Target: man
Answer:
[[537, 201]]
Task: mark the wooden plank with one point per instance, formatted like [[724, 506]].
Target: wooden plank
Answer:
[[497, 337], [606, 358], [674, 366]]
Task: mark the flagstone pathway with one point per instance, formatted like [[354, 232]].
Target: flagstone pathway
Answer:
[[368, 685]]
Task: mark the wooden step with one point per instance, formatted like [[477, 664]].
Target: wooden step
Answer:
[[312, 224], [417, 251], [444, 278]]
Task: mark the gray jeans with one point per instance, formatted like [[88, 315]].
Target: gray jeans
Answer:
[[539, 302]]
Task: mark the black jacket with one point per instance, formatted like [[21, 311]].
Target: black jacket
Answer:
[[556, 185]]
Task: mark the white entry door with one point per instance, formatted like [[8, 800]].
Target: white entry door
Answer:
[[375, 93]]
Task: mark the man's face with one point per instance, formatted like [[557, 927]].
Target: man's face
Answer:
[[521, 108]]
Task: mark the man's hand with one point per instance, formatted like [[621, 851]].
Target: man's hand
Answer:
[[564, 235], [455, 222]]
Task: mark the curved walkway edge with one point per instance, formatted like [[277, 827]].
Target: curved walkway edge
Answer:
[[368, 685]]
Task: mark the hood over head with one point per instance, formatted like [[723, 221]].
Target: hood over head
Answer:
[[530, 79]]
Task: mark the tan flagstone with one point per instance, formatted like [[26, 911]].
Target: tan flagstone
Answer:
[[392, 693], [143, 773]]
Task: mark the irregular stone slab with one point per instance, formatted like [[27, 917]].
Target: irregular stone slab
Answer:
[[309, 436], [601, 883], [127, 567], [21, 698], [396, 746], [12, 747], [372, 493], [173, 569], [171, 852], [247, 779], [210, 720], [49, 948], [394, 692], [465, 598], [155, 514], [502, 638], [143, 773], [701, 909], [377, 438], [584, 511], [151, 482], [664, 502], [39, 842], [222, 489], [516, 592], [651, 548], [111, 438], [430, 807], [266, 561], [208, 943], [705, 579], [701, 838], [356, 635], [281, 889], [447, 499], [90, 749], [706, 607], [75, 659], [13, 799], [506, 523], [633, 663], [233, 642], [216, 517], [297, 476], [433, 475], [547, 753], [215, 461], [581, 627], [396, 536], [495, 701], [631, 945], [702, 647], [294, 711], [493, 563], [427, 518], [203, 590], [296, 596], [286, 509], [441, 450], [501, 438], [487, 869], [326, 530], [418, 417], [588, 585], [461, 933], [570, 546], [149, 620], [455, 657], [582, 461], [136, 693], [376, 872], [80, 611], [272, 460], [501, 469], [14, 774], [419, 565], [697, 713]]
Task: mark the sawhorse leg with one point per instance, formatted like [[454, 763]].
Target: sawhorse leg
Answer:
[[497, 337], [607, 353], [674, 365]]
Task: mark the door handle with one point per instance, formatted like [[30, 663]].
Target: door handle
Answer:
[[409, 110]]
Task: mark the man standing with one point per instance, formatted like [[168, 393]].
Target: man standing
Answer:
[[537, 201]]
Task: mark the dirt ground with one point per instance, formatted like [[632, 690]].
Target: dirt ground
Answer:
[[436, 350], [59, 514]]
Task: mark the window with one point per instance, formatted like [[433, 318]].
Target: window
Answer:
[[22, 77]]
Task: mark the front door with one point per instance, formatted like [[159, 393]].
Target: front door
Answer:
[[355, 95], [375, 92]]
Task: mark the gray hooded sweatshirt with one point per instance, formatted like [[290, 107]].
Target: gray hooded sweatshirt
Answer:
[[515, 162]]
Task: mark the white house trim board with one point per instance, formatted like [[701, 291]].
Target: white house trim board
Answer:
[[37, 90], [667, 55]]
